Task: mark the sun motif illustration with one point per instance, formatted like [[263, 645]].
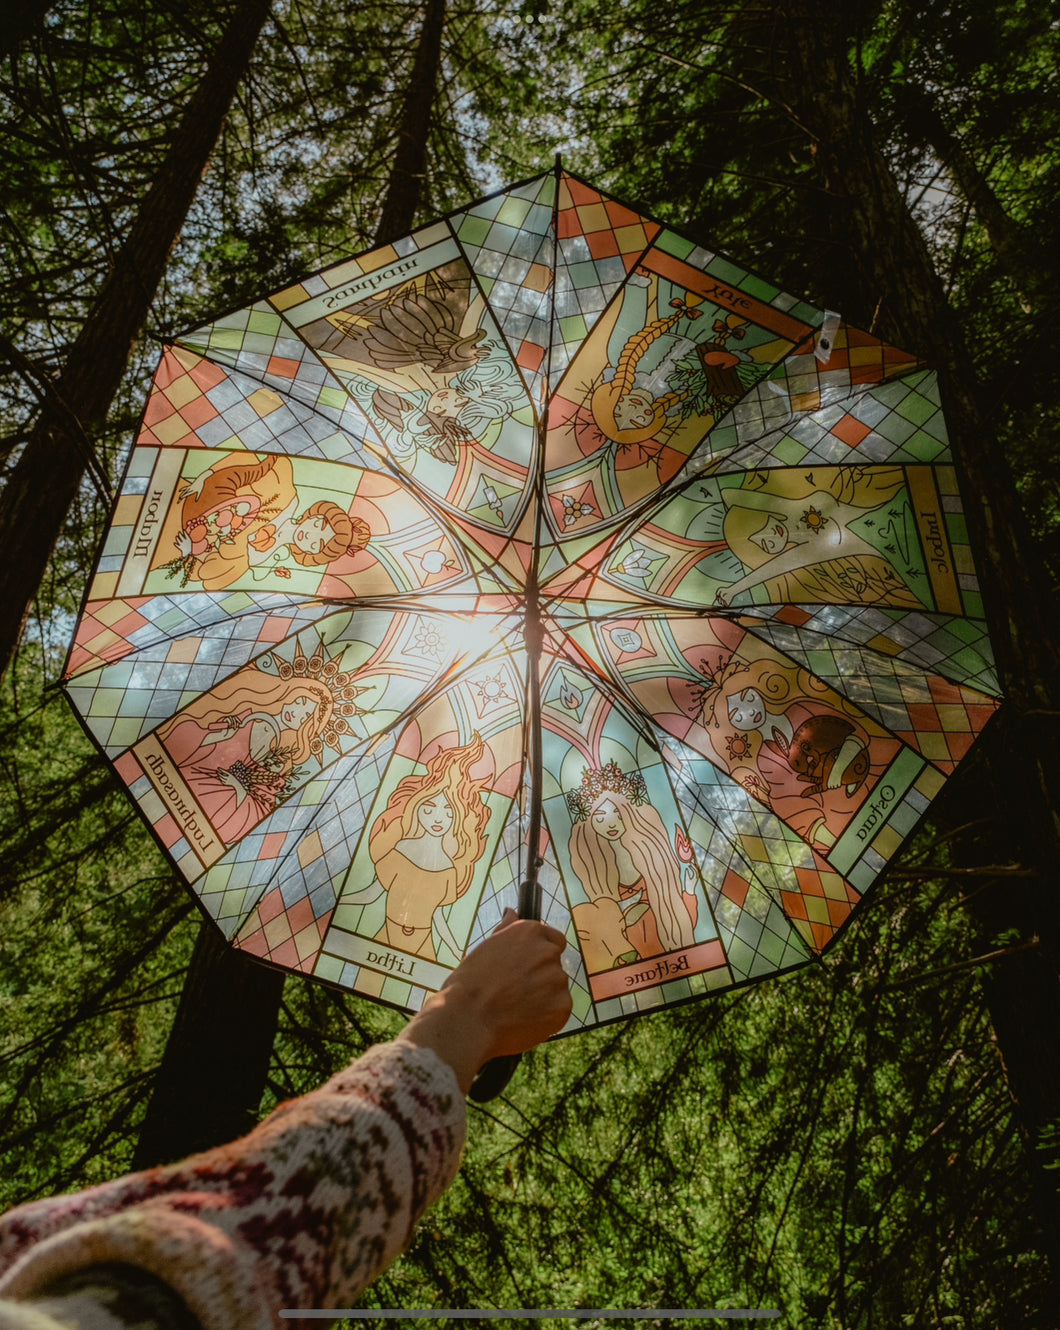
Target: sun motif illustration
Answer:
[[813, 520]]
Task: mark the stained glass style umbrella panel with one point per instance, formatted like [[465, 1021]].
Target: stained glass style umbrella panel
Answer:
[[544, 467]]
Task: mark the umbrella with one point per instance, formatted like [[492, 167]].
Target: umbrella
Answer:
[[542, 549]]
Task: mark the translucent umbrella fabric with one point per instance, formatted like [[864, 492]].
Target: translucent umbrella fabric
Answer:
[[304, 647]]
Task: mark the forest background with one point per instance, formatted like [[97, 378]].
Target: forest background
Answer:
[[871, 1142]]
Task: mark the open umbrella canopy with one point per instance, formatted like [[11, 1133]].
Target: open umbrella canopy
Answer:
[[542, 474]]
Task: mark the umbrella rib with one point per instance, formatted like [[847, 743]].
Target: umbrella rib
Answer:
[[371, 744]]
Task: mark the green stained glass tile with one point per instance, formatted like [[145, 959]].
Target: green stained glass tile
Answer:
[[969, 660], [106, 702], [334, 446], [81, 698], [582, 1002], [315, 792], [124, 733], [502, 238], [895, 428], [789, 450], [219, 876], [904, 819], [676, 991], [227, 339], [573, 328], [328, 967], [771, 947], [474, 230], [759, 288], [967, 632], [957, 527], [583, 275], [916, 408], [973, 604], [346, 916], [332, 397], [513, 211], [741, 956], [487, 284], [538, 219], [396, 991], [861, 877], [761, 965], [820, 662], [748, 929], [261, 343], [727, 272], [923, 446], [719, 978], [265, 321], [675, 245], [802, 309], [936, 424], [119, 676]]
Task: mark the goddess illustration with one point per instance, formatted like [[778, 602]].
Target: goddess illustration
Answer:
[[239, 746], [782, 735], [419, 370], [622, 856], [239, 516], [425, 845], [795, 534], [661, 377]]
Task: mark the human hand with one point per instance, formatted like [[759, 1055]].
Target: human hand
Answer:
[[183, 543], [233, 782], [507, 995], [194, 488]]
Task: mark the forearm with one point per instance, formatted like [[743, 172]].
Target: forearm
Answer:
[[304, 1212]]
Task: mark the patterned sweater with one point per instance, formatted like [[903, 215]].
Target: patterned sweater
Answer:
[[304, 1212]]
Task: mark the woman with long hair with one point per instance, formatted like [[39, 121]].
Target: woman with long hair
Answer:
[[795, 536], [795, 745], [621, 852], [237, 746], [425, 845]]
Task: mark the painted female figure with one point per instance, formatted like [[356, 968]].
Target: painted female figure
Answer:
[[425, 845], [621, 853], [793, 744], [242, 514], [238, 745], [806, 539]]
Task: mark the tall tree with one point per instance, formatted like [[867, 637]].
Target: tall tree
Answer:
[[812, 71], [216, 1063], [59, 450]]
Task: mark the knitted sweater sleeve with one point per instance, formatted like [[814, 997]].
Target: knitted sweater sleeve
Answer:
[[304, 1212]]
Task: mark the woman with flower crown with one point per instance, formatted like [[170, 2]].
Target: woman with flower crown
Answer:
[[621, 853], [238, 745]]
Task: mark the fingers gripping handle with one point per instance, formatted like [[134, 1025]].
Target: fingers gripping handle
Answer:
[[495, 1075]]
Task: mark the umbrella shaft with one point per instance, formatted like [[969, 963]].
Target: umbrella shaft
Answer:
[[534, 635]]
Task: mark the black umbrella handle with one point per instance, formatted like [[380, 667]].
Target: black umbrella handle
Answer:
[[495, 1075]]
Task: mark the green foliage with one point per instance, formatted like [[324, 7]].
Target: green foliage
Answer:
[[838, 1144]]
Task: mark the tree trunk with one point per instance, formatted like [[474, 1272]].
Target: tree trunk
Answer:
[[1015, 252], [216, 1061], [20, 21], [217, 1057], [406, 178], [811, 73], [45, 480]]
